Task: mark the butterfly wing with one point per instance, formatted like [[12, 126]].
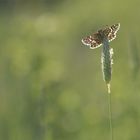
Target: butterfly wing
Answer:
[[111, 31], [93, 41]]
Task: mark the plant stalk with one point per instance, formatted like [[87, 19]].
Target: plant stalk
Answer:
[[110, 116]]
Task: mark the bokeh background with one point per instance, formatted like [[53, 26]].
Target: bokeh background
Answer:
[[51, 85]]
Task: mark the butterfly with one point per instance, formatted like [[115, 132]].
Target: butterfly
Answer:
[[95, 40]]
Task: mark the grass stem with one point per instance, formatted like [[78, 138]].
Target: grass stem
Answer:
[[110, 116]]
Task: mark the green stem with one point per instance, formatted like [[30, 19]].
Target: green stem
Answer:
[[110, 116]]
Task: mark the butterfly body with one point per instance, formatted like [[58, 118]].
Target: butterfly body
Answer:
[[95, 40]]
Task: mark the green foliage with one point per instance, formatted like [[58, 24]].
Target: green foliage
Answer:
[[51, 87]]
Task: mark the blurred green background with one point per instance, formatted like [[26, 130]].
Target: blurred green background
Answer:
[[51, 86]]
